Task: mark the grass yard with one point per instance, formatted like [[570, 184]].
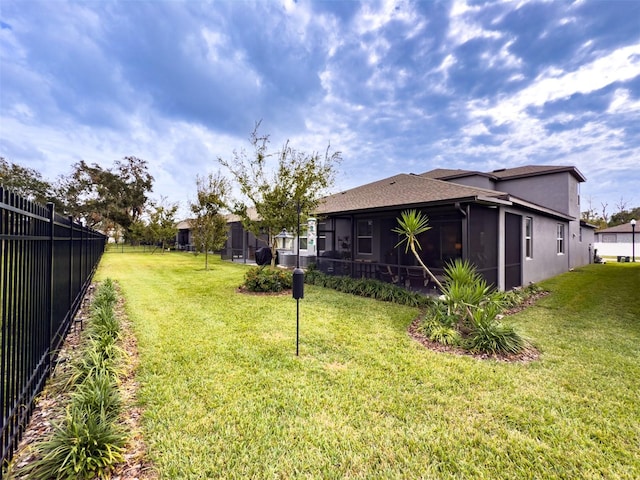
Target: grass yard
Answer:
[[224, 395]]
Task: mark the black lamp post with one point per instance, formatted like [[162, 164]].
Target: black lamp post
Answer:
[[633, 239]]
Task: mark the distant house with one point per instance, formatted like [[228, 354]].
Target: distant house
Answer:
[[517, 225], [616, 241], [242, 244], [184, 237]]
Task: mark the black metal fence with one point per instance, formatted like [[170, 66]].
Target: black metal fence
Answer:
[[47, 262]]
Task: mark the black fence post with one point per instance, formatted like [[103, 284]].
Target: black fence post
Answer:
[[50, 263]]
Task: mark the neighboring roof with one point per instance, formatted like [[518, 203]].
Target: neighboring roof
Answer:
[[404, 190], [447, 173], [504, 173], [535, 170], [624, 228], [253, 215]]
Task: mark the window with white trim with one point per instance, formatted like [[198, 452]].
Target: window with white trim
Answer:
[[365, 237], [528, 237], [560, 239]]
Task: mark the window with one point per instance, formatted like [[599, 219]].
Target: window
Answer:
[[560, 239], [303, 237], [580, 233], [322, 236], [528, 237], [609, 238], [365, 237]]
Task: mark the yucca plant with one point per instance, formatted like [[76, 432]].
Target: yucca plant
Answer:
[[411, 224]]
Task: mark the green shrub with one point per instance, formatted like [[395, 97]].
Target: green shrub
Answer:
[[368, 287], [98, 393], [494, 337], [86, 445], [267, 279], [441, 333], [92, 362], [104, 323], [105, 295]]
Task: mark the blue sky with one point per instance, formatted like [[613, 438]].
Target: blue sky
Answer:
[[396, 86]]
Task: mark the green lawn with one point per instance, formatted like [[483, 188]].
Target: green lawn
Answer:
[[225, 396]]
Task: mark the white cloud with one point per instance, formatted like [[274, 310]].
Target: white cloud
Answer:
[[620, 65], [462, 26], [622, 103]]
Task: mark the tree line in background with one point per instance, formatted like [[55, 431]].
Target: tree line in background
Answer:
[[277, 188], [601, 218], [113, 200]]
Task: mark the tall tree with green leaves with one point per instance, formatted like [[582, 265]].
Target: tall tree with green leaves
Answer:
[[209, 226], [162, 228], [279, 184], [410, 225], [97, 194]]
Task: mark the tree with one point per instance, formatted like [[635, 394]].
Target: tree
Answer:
[[625, 216], [162, 229], [411, 224], [118, 194], [294, 185], [24, 181], [209, 226]]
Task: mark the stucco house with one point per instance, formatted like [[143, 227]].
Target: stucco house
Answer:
[[517, 225], [617, 241], [240, 243]]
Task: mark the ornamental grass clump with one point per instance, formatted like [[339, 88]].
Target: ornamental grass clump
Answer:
[[85, 445]]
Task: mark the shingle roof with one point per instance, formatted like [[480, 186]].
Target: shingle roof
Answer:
[[624, 228], [504, 173], [441, 173], [532, 170], [251, 211], [401, 191]]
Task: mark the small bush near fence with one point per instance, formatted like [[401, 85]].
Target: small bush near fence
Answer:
[[89, 441]]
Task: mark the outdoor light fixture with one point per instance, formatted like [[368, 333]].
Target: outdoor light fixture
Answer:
[[633, 239]]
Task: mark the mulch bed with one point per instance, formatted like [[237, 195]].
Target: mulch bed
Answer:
[[50, 405]]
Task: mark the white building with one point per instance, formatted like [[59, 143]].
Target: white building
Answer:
[[617, 241]]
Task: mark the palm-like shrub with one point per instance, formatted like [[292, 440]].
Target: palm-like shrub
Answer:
[[472, 309]]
